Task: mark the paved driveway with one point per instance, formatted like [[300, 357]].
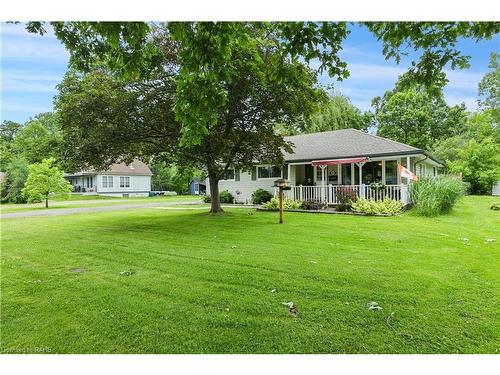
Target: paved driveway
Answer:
[[104, 208]]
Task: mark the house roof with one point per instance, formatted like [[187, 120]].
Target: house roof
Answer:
[[345, 143], [137, 168]]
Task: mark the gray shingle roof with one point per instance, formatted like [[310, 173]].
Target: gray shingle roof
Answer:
[[343, 143]]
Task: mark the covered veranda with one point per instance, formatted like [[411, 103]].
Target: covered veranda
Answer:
[[327, 180]]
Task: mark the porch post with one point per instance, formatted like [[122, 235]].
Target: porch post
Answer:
[[409, 168], [339, 173], [383, 172], [322, 182], [352, 174], [289, 172]]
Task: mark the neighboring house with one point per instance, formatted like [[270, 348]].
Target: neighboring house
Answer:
[[197, 187], [496, 188], [323, 163], [120, 179]]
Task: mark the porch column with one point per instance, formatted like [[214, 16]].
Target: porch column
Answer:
[[353, 174], [322, 182], [289, 167], [409, 168], [383, 172], [339, 174]]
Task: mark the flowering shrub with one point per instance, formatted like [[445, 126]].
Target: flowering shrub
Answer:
[[372, 207], [288, 204], [345, 197]]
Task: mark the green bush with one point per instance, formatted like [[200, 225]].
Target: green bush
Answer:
[[226, 197], [373, 207], [288, 204], [313, 205], [435, 195], [345, 198], [261, 196]]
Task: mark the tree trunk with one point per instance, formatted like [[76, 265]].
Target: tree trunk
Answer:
[[214, 195], [46, 201]]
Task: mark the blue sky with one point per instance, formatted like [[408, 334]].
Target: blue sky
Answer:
[[31, 67]]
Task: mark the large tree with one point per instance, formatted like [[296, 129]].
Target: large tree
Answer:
[[489, 89], [417, 116], [210, 93], [337, 113]]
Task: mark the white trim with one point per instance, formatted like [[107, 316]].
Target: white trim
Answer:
[[267, 166]]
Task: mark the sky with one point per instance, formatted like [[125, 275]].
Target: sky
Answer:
[[32, 66]]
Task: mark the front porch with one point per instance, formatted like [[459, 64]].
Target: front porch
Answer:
[[329, 180], [332, 194]]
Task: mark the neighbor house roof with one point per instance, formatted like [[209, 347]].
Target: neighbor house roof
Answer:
[[345, 143], [137, 167]]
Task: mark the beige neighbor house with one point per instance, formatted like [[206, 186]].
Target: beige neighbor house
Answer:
[[122, 180], [324, 164]]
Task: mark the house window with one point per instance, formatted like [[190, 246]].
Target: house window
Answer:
[[269, 172], [124, 181], [107, 181], [391, 172], [229, 175]]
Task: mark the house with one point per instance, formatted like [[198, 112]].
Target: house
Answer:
[[495, 190], [132, 180], [197, 187], [324, 164]]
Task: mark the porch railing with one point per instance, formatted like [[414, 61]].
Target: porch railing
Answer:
[[331, 193]]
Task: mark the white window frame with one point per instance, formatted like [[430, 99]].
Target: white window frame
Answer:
[[269, 166], [230, 179], [124, 181], [107, 182]]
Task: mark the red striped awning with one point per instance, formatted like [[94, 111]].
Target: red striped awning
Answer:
[[339, 161]]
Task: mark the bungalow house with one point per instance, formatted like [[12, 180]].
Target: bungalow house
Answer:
[[132, 180], [323, 164]]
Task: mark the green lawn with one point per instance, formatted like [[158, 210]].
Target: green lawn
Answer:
[[96, 201], [203, 283]]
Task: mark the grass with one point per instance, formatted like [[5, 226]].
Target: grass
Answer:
[[203, 283], [99, 201]]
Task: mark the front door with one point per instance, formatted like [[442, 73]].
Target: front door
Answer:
[[309, 175]]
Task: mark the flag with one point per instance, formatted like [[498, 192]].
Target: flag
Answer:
[[406, 173]]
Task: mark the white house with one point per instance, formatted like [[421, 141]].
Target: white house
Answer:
[[322, 163], [133, 180]]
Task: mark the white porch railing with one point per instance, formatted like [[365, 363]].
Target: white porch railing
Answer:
[[332, 193]]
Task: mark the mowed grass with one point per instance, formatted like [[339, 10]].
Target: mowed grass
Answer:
[[203, 283]]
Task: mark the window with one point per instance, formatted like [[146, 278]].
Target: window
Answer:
[[229, 175], [107, 181], [269, 172], [124, 181], [391, 172]]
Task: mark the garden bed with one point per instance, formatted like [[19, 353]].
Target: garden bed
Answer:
[[326, 211]]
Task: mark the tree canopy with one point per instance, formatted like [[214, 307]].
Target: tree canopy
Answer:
[[417, 117], [45, 178], [210, 94]]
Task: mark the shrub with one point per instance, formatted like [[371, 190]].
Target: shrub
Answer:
[[261, 196], [435, 195], [206, 198], [372, 207], [226, 197], [345, 197], [313, 205], [288, 204]]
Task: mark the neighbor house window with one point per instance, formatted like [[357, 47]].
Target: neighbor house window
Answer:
[[269, 172], [124, 181], [229, 175], [107, 181]]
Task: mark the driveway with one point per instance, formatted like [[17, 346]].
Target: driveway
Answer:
[[104, 208]]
